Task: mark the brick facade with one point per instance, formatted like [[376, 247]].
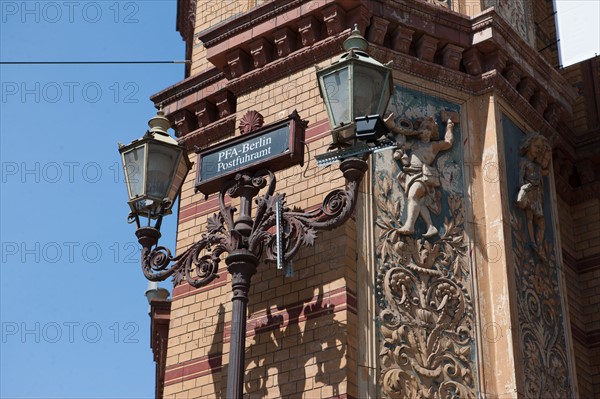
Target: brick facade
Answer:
[[311, 334]]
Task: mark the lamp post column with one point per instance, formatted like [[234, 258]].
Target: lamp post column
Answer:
[[241, 264]]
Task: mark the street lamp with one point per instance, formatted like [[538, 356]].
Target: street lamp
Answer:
[[356, 90], [155, 168]]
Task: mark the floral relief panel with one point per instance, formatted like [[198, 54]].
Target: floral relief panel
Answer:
[[424, 311], [539, 294]]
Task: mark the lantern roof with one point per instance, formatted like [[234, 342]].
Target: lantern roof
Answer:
[[356, 50], [356, 41], [159, 126]]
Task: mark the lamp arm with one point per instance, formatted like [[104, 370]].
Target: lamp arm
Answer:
[[300, 228], [339, 204], [198, 265]]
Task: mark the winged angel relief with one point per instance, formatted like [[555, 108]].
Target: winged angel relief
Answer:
[[424, 305]]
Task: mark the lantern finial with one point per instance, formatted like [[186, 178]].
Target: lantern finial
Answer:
[[356, 41], [159, 124]]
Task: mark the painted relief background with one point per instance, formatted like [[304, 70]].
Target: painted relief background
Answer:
[[514, 12], [540, 308], [424, 309]]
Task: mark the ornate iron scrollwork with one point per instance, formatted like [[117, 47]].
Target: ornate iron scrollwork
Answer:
[[198, 265]]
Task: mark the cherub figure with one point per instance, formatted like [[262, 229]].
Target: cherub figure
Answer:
[[419, 178], [536, 155]]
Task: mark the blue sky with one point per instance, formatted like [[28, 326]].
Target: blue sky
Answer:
[[73, 316]]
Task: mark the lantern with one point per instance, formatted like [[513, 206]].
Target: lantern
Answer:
[[155, 168], [356, 90]]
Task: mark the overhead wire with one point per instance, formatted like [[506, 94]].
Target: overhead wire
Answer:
[[91, 62]]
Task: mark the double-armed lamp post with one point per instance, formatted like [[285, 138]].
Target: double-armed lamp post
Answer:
[[356, 90]]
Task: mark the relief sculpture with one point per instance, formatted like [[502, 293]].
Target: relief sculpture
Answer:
[[540, 309], [534, 165], [419, 177], [424, 302]]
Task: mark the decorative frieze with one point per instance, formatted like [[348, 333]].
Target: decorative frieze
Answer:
[[334, 17], [426, 48], [425, 308], [285, 41], [261, 51], [206, 113], [377, 30], [226, 103], [542, 345], [402, 39], [473, 61], [441, 3], [309, 28], [452, 56]]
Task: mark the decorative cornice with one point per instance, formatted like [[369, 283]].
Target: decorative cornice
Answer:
[[491, 31], [186, 18], [486, 82], [587, 264], [214, 132], [283, 67], [494, 57], [187, 87], [160, 315], [266, 11]]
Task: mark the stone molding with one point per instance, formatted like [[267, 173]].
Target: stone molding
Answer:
[[186, 20], [160, 315], [473, 55], [203, 137]]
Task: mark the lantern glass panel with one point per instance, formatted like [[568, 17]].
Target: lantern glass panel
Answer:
[[369, 85], [335, 86], [133, 166], [180, 174], [162, 163]]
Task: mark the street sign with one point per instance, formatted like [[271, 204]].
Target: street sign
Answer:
[[274, 147]]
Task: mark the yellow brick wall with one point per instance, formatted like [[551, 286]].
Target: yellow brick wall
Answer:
[[210, 13], [586, 222], [317, 355], [578, 119], [297, 355], [545, 31], [580, 236]]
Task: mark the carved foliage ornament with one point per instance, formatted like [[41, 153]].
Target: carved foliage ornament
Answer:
[[424, 305], [541, 321]]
